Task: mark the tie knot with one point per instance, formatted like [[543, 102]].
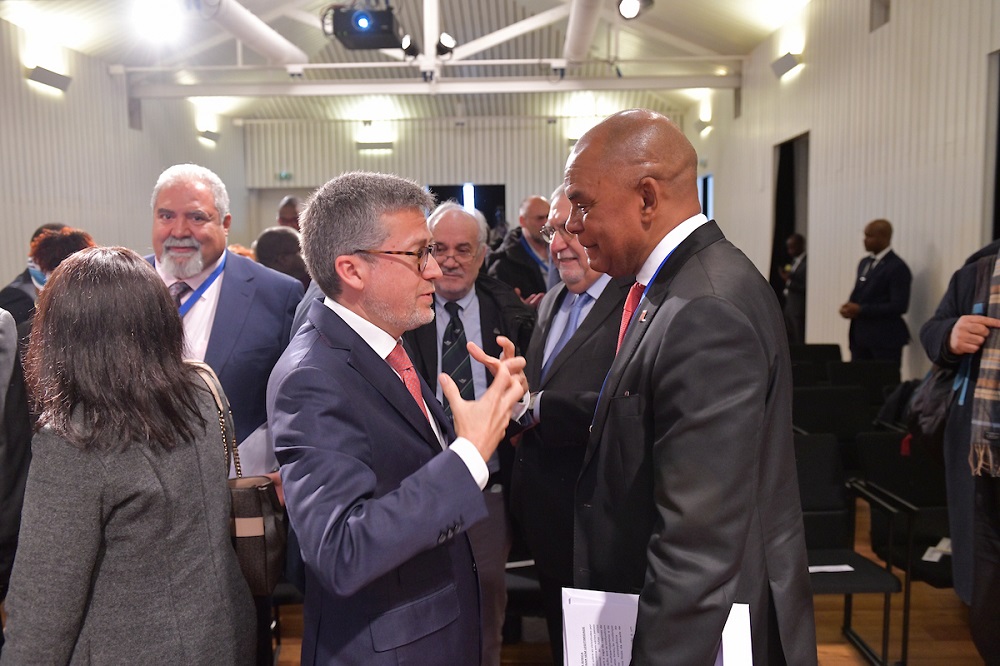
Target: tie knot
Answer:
[[452, 307], [177, 291], [398, 360]]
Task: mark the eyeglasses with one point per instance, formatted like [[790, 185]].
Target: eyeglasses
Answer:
[[548, 232], [422, 255], [462, 255]]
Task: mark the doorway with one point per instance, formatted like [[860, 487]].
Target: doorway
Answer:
[[791, 205]]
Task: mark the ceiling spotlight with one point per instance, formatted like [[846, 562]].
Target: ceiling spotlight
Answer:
[[446, 44], [629, 9], [410, 47]]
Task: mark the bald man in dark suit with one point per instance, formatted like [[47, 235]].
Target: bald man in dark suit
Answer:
[[688, 494]]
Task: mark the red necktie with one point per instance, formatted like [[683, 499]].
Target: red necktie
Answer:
[[400, 362], [631, 303]]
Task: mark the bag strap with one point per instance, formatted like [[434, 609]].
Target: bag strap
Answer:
[[225, 413]]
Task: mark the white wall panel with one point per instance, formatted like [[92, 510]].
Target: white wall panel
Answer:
[[526, 155], [897, 120], [71, 157]]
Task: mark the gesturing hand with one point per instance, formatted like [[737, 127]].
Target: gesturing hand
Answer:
[[484, 421]]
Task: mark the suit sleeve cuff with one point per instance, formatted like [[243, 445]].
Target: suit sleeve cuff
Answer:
[[469, 454]]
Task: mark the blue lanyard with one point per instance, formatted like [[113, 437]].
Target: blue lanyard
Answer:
[[531, 253], [189, 303]]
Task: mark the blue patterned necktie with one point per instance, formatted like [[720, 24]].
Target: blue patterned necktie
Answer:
[[571, 325]]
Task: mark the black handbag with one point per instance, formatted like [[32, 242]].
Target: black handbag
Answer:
[[258, 526]]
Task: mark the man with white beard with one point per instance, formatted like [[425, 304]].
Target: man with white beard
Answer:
[[237, 315]]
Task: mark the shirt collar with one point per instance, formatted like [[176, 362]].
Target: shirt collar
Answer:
[[667, 245], [463, 302], [381, 342], [595, 290], [881, 255]]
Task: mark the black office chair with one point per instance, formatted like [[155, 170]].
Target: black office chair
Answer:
[[828, 516], [843, 411], [871, 375], [912, 478], [815, 354]]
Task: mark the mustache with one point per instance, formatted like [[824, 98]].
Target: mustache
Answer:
[[171, 243]]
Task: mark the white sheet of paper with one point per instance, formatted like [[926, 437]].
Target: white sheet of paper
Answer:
[[598, 628], [830, 568], [256, 454]]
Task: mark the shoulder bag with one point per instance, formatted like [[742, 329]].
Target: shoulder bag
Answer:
[[258, 525]]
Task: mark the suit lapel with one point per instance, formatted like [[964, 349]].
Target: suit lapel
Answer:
[[424, 353], [235, 298], [536, 348], [609, 304], [376, 371], [656, 295]]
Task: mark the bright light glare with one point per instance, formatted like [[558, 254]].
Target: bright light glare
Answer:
[[374, 107], [377, 131], [629, 9], [157, 21], [469, 197]]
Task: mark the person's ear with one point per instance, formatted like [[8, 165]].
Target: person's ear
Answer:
[[650, 198], [352, 270]]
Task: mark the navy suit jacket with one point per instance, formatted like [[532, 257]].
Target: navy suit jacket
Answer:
[[688, 493], [379, 508], [249, 332], [884, 297]]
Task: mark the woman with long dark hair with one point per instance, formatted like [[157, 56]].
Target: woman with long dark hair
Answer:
[[124, 554]]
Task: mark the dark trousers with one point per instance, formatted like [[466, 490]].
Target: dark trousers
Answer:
[[984, 618], [552, 604], [265, 656], [865, 353]]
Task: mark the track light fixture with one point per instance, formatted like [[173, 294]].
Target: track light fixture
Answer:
[[410, 47], [446, 44], [629, 9]]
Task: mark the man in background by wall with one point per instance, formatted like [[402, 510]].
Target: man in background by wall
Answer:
[[522, 260], [880, 298], [794, 275], [288, 213], [474, 308]]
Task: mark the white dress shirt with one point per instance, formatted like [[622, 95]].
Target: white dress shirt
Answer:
[[198, 320]]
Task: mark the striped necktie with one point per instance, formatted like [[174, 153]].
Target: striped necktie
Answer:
[[178, 290], [455, 359]]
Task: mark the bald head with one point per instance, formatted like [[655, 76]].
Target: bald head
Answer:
[[631, 179], [878, 235]]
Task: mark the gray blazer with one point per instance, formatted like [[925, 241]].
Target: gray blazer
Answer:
[[125, 557]]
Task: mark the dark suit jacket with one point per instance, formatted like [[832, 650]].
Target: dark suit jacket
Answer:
[[884, 297], [511, 264], [15, 446], [250, 330], [549, 456], [18, 297], [501, 312], [688, 493], [380, 510], [795, 304]]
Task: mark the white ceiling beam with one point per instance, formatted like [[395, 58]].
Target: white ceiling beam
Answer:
[[222, 38], [643, 29], [256, 34], [445, 87], [582, 27], [510, 32]]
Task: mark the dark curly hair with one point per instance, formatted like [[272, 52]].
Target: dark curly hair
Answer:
[[104, 360]]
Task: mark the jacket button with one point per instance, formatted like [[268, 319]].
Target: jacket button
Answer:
[[442, 537]]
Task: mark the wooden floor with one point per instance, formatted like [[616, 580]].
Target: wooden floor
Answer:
[[939, 628]]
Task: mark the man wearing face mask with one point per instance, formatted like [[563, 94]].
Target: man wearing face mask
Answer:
[[569, 355], [236, 314], [18, 297]]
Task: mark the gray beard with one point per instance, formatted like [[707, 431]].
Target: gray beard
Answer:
[[181, 270]]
